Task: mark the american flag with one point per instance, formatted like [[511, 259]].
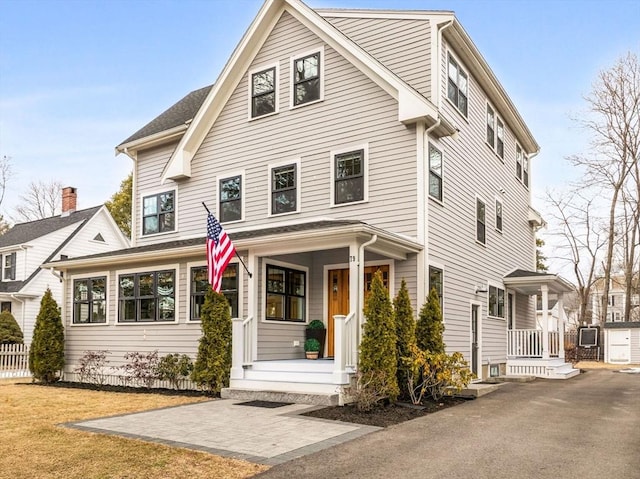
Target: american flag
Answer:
[[220, 249]]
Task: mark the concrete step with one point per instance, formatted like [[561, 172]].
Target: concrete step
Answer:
[[476, 390], [509, 379], [317, 399]]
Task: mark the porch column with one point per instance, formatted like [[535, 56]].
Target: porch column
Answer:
[[545, 321], [339, 350], [561, 326], [237, 348], [355, 288]]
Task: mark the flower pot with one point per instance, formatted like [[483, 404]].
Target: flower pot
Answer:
[[312, 354], [318, 334]]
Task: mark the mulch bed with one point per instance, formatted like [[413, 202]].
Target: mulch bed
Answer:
[[126, 389], [384, 415]]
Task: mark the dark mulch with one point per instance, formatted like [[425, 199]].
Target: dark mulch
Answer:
[[384, 415], [125, 389]]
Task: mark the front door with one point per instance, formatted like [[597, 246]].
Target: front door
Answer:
[[338, 289], [475, 312]]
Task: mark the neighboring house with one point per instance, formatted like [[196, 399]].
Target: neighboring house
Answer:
[[621, 336], [26, 246], [334, 143]]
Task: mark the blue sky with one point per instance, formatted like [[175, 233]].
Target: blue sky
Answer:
[[78, 77]]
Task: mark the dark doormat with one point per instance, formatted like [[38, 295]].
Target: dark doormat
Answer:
[[266, 404]]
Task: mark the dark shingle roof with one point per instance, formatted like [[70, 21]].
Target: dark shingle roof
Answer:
[[11, 286], [176, 115], [22, 233], [521, 273]]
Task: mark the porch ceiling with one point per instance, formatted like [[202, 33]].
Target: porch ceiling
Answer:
[[530, 282]]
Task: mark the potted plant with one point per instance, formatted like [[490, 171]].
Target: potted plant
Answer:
[[312, 348], [315, 329]]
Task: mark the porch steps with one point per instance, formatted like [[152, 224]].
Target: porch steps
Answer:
[[298, 371], [564, 371]]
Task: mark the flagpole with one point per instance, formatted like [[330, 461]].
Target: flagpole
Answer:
[[239, 258]]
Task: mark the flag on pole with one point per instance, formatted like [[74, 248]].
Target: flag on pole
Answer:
[[220, 249]]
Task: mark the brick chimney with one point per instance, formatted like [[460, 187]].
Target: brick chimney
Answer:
[[69, 197]]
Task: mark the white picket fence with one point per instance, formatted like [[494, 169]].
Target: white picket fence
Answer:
[[14, 361]]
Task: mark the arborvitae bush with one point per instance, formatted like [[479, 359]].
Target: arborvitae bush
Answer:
[[429, 329], [213, 364], [378, 362], [406, 334], [46, 355], [10, 332]]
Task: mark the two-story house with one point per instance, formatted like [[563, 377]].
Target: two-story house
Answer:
[[28, 245], [333, 144], [621, 330]]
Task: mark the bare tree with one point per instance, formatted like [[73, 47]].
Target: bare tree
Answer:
[[42, 200], [581, 240], [614, 122], [5, 173]]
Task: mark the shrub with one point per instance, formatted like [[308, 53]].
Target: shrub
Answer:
[[316, 324], [10, 332], [312, 344], [405, 332], [213, 364], [436, 374], [46, 355], [91, 367], [174, 368], [377, 361], [429, 329], [370, 390], [141, 368]]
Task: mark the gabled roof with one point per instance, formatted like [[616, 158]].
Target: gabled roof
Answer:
[[23, 233], [531, 282]]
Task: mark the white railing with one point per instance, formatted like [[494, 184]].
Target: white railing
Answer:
[[345, 347], [528, 343], [14, 360], [247, 337], [242, 337]]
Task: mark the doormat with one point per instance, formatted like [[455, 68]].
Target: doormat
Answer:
[[265, 404]]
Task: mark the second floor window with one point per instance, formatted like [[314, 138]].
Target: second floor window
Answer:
[[10, 266], [435, 173], [481, 223], [522, 166], [263, 92], [306, 79], [491, 127], [158, 213], [500, 138], [146, 297], [499, 215], [457, 86], [284, 193], [349, 177], [231, 199], [90, 300]]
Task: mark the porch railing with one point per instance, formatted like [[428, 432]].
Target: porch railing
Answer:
[[243, 336], [346, 347], [527, 343]]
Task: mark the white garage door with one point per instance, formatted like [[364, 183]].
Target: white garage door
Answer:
[[619, 346]]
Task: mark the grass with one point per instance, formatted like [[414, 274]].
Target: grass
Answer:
[[34, 445]]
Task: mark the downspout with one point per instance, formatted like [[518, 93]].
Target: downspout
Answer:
[[373, 239], [535, 232], [59, 275], [439, 54]]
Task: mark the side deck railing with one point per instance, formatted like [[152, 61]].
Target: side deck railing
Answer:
[[528, 343]]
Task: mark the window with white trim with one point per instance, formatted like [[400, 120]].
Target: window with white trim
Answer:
[[10, 266], [499, 215], [500, 138], [90, 300], [230, 198], [435, 172], [284, 189], [436, 278], [525, 170], [496, 302], [491, 127], [264, 92], [158, 213], [457, 85], [285, 294], [200, 286], [481, 221], [307, 80], [349, 176], [522, 166], [146, 297]]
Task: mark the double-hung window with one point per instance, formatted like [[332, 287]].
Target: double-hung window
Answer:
[[500, 138], [200, 286], [481, 223], [264, 92], [284, 189], [491, 127], [525, 170], [435, 173], [158, 213], [436, 276], [307, 81], [146, 297], [10, 266], [90, 300], [496, 302], [499, 215], [349, 177], [285, 294], [231, 199], [457, 86]]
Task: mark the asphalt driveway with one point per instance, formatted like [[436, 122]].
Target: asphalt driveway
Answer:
[[586, 427]]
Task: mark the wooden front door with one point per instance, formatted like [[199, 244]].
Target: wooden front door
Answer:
[[338, 289]]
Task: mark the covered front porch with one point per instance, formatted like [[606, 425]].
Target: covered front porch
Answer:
[[539, 352]]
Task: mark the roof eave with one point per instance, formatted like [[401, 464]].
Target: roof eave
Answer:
[[157, 139]]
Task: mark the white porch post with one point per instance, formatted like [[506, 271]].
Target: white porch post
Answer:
[[237, 348], [545, 321], [339, 350], [561, 326], [355, 288]]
